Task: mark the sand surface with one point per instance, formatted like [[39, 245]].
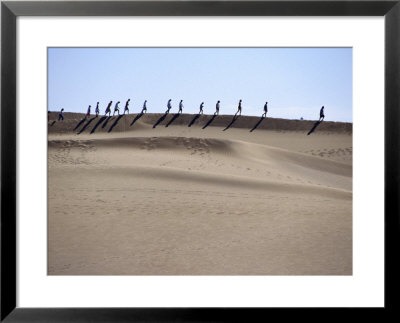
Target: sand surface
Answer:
[[125, 198]]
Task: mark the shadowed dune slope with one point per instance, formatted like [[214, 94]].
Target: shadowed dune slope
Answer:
[[74, 122]]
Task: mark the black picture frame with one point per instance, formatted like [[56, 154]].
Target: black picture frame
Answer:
[[10, 10]]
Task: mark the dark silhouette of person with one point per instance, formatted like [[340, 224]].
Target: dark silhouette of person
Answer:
[[239, 110], [144, 107], [201, 108], [265, 109], [116, 108], [168, 106], [61, 115], [180, 107], [88, 112], [108, 109], [126, 106], [217, 108], [97, 110], [321, 114]]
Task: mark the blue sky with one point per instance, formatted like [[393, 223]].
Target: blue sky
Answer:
[[296, 82]]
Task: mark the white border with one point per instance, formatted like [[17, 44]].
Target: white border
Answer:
[[364, 288]]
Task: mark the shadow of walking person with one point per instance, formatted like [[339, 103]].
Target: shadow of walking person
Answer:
[[136, 118], [86, 125], [176, 115], [52, 124], [98, 124], [314, 127], [235, 117], [160, 120], [115, 123], [79, 123], [105, 123], [209, 121], [194, 120], [257, 124]]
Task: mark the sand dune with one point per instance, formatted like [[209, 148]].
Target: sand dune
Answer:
[[131, 199]]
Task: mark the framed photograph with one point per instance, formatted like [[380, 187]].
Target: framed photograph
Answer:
[[198, 160]]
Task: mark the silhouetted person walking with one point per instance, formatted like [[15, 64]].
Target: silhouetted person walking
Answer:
[[144, 107], [88, 112], [321, 114], [61, 115], [265, 109], [217, 108], [116, 108], [126, 106], [201, 108], [108, 109], [97, 110], [180, 107], [168, 106], [239, 108]]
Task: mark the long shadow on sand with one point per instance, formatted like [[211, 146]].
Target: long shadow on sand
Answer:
[[160, 120], [79, 123], [235, 117], [52, 124], [209, 121], [86, 125], [136, 118], [194, 120], [98, 124], [176, 115], [257, 124], [105, 123], [314, 127], [115, 123]]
